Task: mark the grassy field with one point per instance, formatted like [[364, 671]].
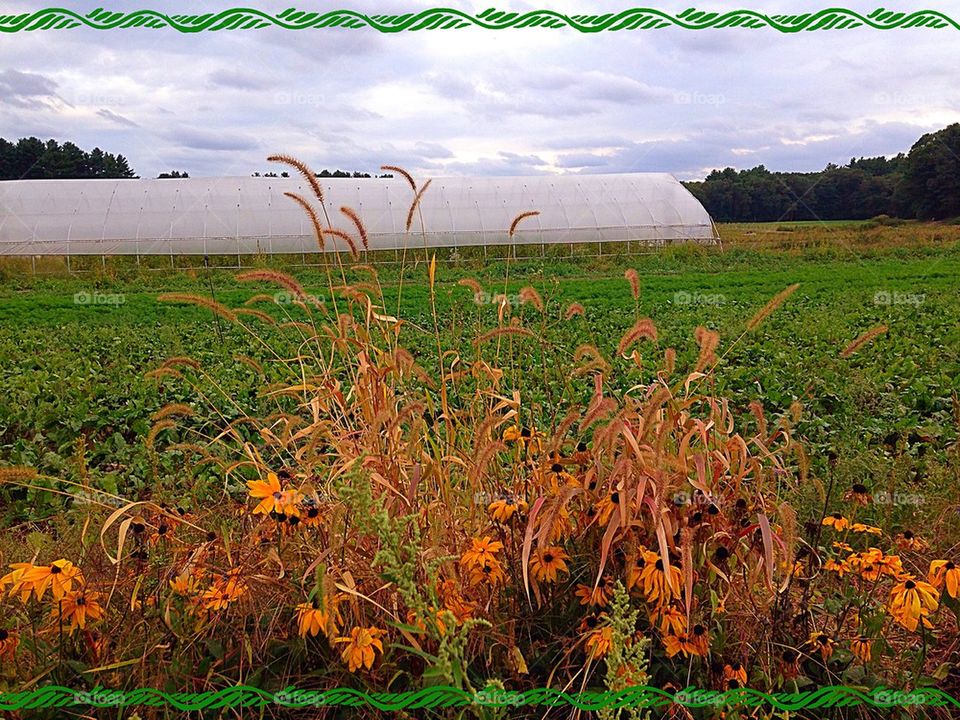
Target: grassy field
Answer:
[[75, 348], [378, 506]]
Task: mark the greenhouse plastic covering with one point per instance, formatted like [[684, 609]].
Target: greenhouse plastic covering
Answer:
[[200, 216]]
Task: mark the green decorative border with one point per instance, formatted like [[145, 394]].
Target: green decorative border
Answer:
[[449, 697], [491, 19]]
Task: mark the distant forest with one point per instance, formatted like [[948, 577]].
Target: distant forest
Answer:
[[34, 159], [922, 184]]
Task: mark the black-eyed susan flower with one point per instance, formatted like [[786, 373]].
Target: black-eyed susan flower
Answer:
[[698, 640], [858, 493], [658, 585], [599, 641], [869, 529], [945, 575], [735, 675], [361, 647], [861, 648], [483, 551], [840, 567], [907, 540], [837, 521], [15, 579], [670, 619], [187, 583], [453, 600], [547, 564], [505, 507], [790, 664], [490, 574], [321, 614], [79, 608], [821, 643], [227, 588], [310, 514], [268, 492], [912, 601], [61, 576], [599, 596]]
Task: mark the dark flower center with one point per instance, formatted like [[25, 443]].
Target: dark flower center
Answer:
[[293, 519], [859, 489], [312, 512], [908, 535], [581, 447], [548, 558], [81, 601], [822, 639], [525, 432], [659, 565], [837, 516], [615, 498], [789, 656], [138, 527], [591, 622], [735, 667], [909, 584], [55, 570], [556, 467], [722, 553], [949, 565], [741, 504], [713, 509], [699, 629], [162, 530]]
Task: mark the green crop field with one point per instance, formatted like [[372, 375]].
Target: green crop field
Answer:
[[74, 350]]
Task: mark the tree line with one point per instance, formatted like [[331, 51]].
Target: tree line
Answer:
[[923, 184], [32, 158]]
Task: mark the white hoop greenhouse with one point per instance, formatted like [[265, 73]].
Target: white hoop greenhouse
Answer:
[[251, 214]]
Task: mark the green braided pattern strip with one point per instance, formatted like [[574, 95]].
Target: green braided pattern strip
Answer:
[[491, 19], [55, 696]]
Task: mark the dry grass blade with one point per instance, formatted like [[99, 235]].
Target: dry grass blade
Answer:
[[358, 224], [273, 276], [634, 280], [311, 213], [530, 295], [520, 218], [573, 310], [346, 237], [867, 337], [416, 203], [642, 328], [401, 172], [775, 302], [303, 169]]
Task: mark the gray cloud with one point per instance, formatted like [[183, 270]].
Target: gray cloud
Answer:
[[27, 90], [116, 118], [213, 140]]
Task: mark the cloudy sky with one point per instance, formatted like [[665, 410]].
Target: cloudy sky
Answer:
[[481, 102]]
